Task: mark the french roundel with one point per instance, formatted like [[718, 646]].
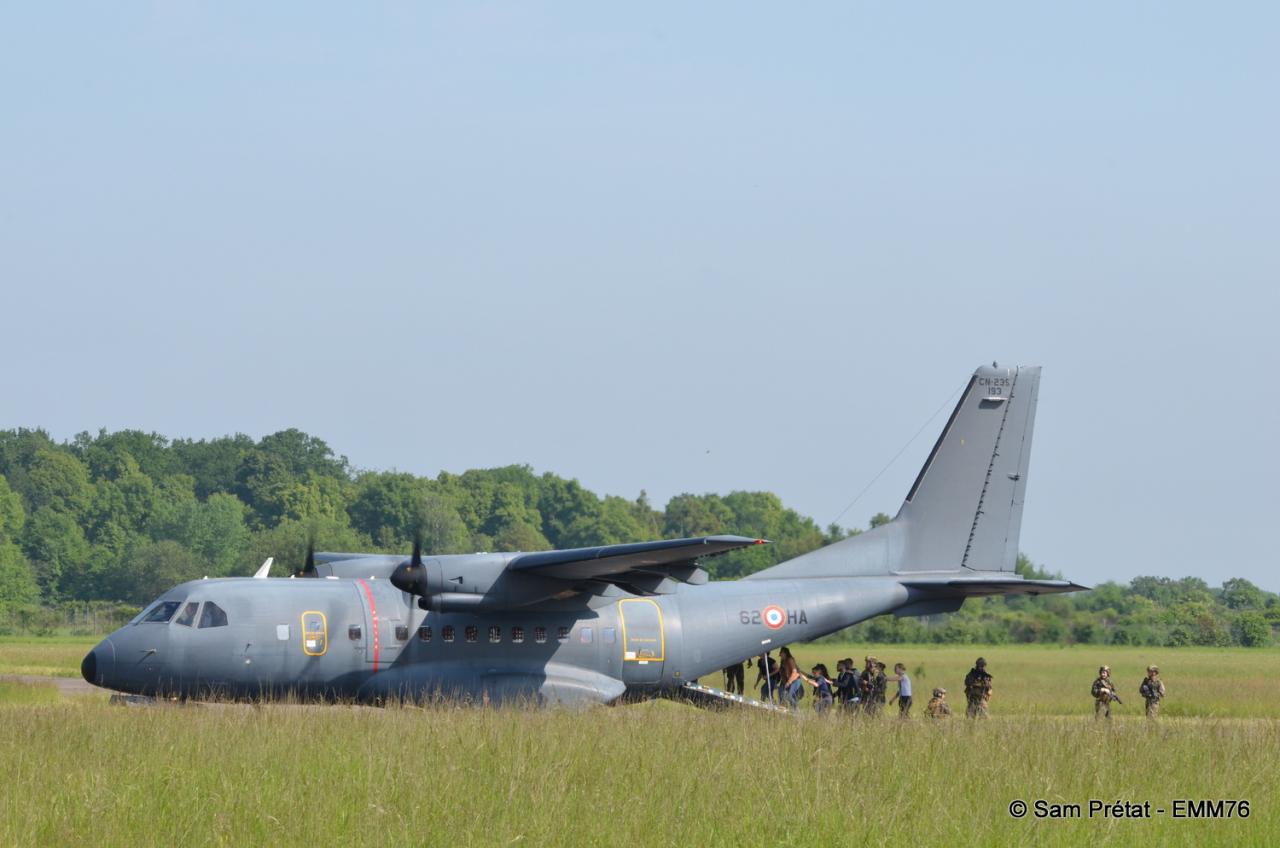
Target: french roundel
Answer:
[[774, 617]]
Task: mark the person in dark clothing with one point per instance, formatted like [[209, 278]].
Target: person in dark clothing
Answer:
[[847, 684], [735, 677], [767, 677], [822, 696]]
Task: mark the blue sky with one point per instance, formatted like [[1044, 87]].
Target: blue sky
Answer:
[[670, 247]]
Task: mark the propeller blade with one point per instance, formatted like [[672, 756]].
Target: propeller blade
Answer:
[[309, 566]]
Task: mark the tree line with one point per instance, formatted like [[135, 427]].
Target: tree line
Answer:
[[92, 527]]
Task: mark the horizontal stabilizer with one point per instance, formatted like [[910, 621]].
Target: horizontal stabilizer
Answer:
[[972, 587]]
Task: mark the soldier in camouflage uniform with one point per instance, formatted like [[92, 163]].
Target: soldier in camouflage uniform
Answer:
[[1103, 693], [1152, 690], [977, 689], [938, 706]]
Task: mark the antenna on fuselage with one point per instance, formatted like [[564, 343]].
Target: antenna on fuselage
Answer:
[[264, 569]]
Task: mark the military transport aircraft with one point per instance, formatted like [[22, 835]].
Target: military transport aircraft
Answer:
[[591, 625]]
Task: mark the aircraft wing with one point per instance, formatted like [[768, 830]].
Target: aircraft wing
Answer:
[[640, 565]]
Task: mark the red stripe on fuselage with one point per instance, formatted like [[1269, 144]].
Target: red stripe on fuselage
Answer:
[[373, 612]]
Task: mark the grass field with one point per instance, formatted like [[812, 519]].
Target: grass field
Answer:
[[78, 769], [56, 656]]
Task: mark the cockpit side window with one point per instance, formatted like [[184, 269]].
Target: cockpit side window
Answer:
[[212, 616], [188, 615], [162, 611]]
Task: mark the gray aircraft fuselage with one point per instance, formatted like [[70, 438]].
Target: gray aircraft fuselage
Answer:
[[363, 639], [592, 625]]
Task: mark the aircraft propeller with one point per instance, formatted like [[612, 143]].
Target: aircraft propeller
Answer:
[[309, 566], [408, 576]]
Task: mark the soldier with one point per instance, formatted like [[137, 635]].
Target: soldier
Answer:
[[873, 683], [1103, 693], [977, 689], [1152, 690], [938, 706], [865, 680], [879, 686]]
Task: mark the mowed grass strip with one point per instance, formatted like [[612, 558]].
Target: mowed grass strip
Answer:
[[57, 656], [651, 774], [1033, 680]]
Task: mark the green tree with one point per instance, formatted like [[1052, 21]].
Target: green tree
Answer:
[[1253, 629], [56, 546], [18, 584], [1240, 594], [151, 568], [695, 515], [57, 480], [213, 465]]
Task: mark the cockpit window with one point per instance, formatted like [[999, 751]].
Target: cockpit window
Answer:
[[162, 611], [188, 615], [212, 616]]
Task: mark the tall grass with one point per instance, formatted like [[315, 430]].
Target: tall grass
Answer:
[[652, 774]]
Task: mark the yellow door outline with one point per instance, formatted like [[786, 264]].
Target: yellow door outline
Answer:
[[323, 633], [631, 656]]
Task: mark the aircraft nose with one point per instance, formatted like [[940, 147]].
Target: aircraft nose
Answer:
[[98, 665]]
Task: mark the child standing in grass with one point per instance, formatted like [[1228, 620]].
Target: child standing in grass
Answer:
[[821, 682], [904, 690]]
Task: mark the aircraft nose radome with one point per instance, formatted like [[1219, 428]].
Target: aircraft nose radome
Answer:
[[99, 664]]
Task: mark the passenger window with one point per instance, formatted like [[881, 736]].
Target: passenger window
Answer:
[[446, 633], [354, 632], [562, 633], [212, 616], [424, 633], [187, 617], [539, 634], [163, 612], [495, 633], [517, 634], [585, 635], [473, 633], [609, 634], [402, 632], [315, 634]]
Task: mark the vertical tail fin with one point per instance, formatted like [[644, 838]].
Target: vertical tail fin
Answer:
[[964, 511], [965, 508]]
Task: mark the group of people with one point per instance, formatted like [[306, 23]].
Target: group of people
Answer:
[[864, 691], [1103, 690]]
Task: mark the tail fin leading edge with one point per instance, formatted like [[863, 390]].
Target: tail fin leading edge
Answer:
[[964, 511]]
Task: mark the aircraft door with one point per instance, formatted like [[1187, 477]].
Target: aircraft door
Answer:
[[644, 645]]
